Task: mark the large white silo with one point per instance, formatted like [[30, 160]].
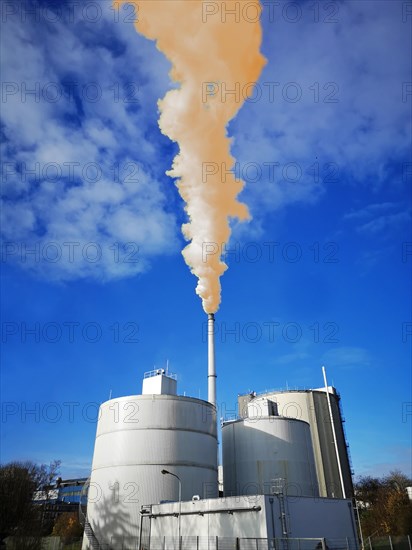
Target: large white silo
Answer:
[[263, 454], [137, 437], [312, 407]]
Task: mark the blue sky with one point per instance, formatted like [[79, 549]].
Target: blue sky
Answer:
[[94, 288]]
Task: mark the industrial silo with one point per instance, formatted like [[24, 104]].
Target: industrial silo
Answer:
[[330, 454], [138, 437], [266, 453]]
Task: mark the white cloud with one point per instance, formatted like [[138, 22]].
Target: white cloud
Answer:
[[357, 62], [394, 457], [370, 210], [293, 358], [81, 174], [347, 357], [379, 217], [385, 223]]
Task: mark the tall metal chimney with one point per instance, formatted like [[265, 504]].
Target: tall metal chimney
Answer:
[[211, 369]]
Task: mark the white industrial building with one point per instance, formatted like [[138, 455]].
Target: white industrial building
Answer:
[[330, 448], [269, 477], [256, 520]]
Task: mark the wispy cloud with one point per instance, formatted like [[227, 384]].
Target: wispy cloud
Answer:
[[347, 357], [371, 210], [378, 217], [397, 457], [385, 222], [292, 358]]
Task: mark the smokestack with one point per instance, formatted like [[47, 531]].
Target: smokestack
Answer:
[[211, 369]]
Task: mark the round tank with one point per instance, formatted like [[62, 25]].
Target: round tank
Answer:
[[268, 454], [138, 437], [312, 406]]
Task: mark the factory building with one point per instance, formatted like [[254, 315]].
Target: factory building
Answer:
[[155, 476], [329, 447], [155, 481], [62, 496]]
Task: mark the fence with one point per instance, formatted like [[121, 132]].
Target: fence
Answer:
[[39, 543], [388, 543], [231, 543]]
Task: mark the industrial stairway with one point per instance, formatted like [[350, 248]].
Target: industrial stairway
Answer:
[[88, 531]]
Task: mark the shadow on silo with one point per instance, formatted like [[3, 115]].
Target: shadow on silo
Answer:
[[115, 527]]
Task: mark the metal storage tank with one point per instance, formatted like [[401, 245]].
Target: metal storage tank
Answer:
[[269, 454], [137, 437], [312, 407]]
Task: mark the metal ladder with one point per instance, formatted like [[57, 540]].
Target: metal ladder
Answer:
[[88, 530]]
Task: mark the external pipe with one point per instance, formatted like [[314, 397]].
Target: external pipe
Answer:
[[335, 441], [207, 512]]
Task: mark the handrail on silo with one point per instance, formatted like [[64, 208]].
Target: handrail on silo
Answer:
[[156, 372]]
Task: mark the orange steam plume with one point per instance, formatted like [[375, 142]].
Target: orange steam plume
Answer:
[[214, 51]]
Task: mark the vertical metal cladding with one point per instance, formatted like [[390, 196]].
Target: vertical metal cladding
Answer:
[[258, 451], [136, 438]]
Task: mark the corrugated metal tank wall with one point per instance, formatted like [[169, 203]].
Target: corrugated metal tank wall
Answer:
[[312, 407], [257, 451], [136, 438]]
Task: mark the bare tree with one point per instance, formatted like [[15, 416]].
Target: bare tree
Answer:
[[19, 515]]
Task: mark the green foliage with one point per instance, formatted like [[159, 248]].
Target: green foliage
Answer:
[[384, 506]]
